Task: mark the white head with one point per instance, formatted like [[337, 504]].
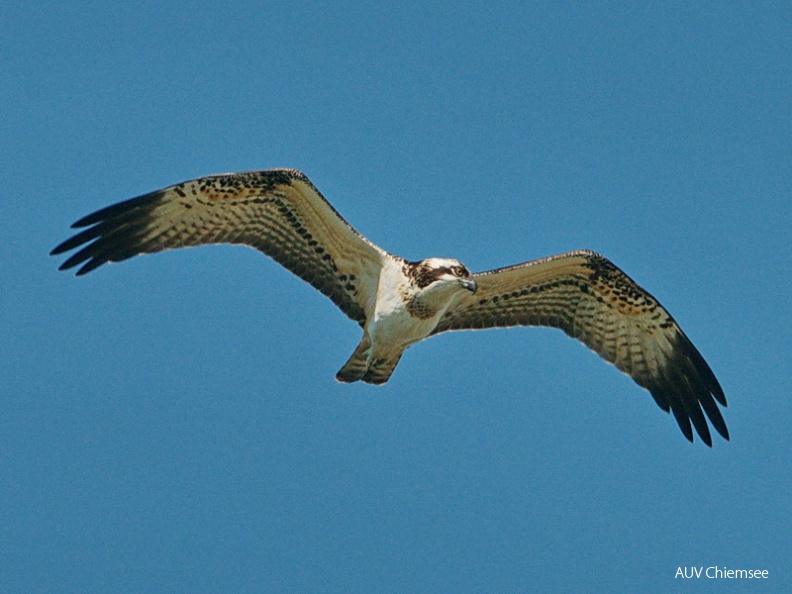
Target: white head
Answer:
[[442, 275]]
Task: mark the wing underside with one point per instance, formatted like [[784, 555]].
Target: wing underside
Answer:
[[590, 299], [279, 212]]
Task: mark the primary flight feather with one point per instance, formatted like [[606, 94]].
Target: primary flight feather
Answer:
[[398, 302]]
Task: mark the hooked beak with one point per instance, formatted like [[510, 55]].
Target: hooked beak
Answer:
[[469, 284]]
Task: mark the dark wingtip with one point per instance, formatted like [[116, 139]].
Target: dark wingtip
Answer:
[[687, 385], [717, 391], [88, 266], [108, 235], [684, 423], [63, 246]]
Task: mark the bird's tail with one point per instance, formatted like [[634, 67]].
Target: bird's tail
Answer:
[[372, 371], [354, 369], [380, 370]]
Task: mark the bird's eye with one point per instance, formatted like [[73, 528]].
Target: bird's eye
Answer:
[[458, 271]]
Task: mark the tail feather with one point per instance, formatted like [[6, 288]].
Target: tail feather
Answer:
[[357, 365], [380, 370], [360, 368]]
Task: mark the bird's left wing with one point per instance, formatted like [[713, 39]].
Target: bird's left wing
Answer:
[[278, 212], [590, 299]]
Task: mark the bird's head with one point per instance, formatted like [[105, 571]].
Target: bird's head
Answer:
[[442, 276]]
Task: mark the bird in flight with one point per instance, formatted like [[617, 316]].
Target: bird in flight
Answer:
[[397, 302]]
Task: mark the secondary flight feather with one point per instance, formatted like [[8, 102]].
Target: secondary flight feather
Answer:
[[398, 302]]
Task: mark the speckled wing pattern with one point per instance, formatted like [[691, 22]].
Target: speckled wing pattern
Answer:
[[589, 298], [278, 212]]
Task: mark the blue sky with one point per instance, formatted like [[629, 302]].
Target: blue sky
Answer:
[[172, 423]]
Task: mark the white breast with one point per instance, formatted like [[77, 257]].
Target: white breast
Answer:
[[392, 328]]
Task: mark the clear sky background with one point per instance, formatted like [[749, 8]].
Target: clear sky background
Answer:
[[172, 423]]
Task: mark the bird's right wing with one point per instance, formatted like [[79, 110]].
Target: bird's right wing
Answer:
[[278, 212]]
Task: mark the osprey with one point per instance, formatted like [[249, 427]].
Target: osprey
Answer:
[[399, 303]]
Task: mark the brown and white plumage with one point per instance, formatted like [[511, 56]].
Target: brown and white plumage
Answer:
[[278, 212], [589, 298], [399, 303]]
